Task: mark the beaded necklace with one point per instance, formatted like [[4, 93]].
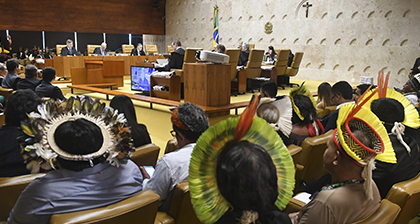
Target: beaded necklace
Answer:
[[344, 183]]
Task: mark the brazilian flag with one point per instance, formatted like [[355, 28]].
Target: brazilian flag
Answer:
[[216, 26]]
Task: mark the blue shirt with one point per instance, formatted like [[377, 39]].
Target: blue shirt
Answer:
[[63, 191]]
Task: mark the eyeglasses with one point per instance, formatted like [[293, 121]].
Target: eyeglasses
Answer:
[[333, 97], [173, 133]]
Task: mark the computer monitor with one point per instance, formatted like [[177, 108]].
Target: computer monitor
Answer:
[[140, 78]]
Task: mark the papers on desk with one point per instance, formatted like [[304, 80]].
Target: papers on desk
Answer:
[[120, 54], [267, 67], [240, 67], [40, 61], [158, 65], [262, 78], [162, 74], [303, 197]]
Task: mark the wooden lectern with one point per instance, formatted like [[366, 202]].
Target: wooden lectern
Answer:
[[98, 71], [207, 85]]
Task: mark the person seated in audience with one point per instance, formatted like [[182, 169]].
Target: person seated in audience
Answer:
[[342, 94], [304, 120], [30, 81], [40, 54], [19, 104], [47, 53], [220, 48], [90, 171], [416, 68], [269, 89], [11, 79], [139, 132], [46, 88], [22, 54], [3, 72], [188, 123], [101, 50], [241, 172], [349, 159], [4, 57], [324, 96], [177, 57], [391, 113], [68, 50], [138, 51], [271, 54], [243, 56], [411, 89], [360, 89]]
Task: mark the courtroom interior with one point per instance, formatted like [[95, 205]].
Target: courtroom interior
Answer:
[[200, 111]]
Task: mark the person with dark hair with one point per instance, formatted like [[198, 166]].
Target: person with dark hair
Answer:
[[139, 133], [138, 51], [304, 120], [68, 50], [247, 179], [241, 172], [220, 48], [177, 57], [46, 88], [90, 156], [358, 141], [290, 59], [188, 123], [11, 79], [269, 89], [342, 94], [244, 54], [416, 68], [271, 54], [30, 81], [324, 96], [411, 89], [360, 90], [404, 141], [19, 104]]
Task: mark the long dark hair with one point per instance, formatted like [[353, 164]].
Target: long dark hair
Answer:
[[306, 108]]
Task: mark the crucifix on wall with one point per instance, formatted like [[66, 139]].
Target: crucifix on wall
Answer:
[[307, 5]]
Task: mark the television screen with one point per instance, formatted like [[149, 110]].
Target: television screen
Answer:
[[140, 78]]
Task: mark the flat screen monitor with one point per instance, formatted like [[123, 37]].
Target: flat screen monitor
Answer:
[[140, 78]]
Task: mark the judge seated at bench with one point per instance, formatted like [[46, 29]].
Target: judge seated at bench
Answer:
[[177, 57], [69, 50], [101, 50], [243, 56], [138, 51]]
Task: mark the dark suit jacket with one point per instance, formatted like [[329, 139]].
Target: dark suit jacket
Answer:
[[65, 51], [177, 60], [46, 89], [98, 51], [243, 58], [10, 81], [290, 60], [416, 65], [135, 52], [330, 121], [28, 83]]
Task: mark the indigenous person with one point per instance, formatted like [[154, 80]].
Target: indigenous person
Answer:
[[188, 123], [90, 155], [19, 104], [411, 89], [139, 133], [101, 50], [30, 81], [68, 50], [360, 90], [138, 51], [358, 140], [241, 172], [46, 88], [342, 94], [11, 79]]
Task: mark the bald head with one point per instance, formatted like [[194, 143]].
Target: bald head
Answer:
[[103, 46]]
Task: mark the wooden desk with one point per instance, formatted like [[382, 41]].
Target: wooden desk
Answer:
[[207, 85], [99, 71]]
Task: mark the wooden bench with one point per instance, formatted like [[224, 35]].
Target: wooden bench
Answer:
[[156, 100], [101, 85]]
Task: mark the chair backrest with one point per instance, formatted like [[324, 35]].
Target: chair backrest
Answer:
[[251, 46], [311, 158], [324, 112], [171, 145], [10, 189], [180, 207], [406, 194], [146, 155], [386, 213], [233, 61], [294, 67], [126, 48], [2, 119], [281, 63], [170, 49], [91, 48], [140, 208], [151, 49], [5, 93], [253, 67], [58, 48]]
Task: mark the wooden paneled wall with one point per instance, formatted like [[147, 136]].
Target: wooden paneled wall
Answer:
[[90, 16]]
